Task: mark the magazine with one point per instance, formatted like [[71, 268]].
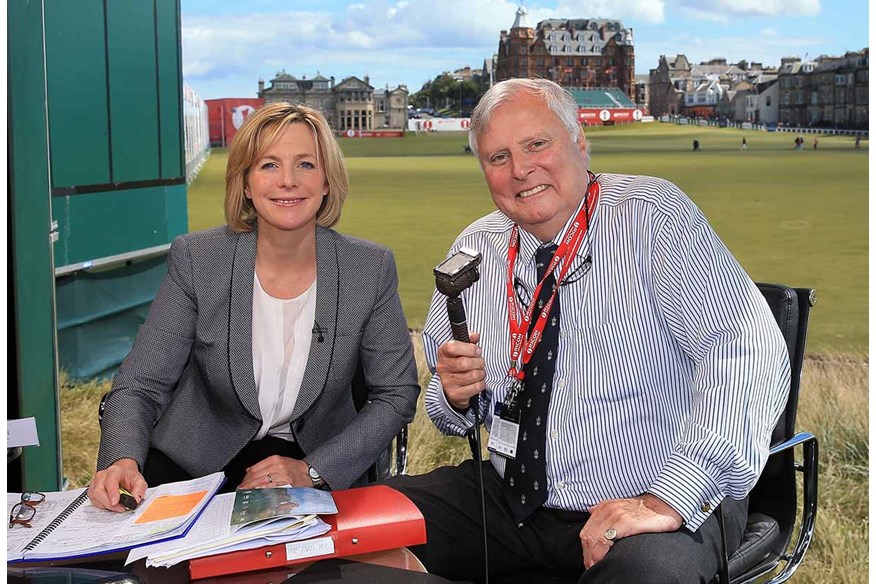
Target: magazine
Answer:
[[247, 519]]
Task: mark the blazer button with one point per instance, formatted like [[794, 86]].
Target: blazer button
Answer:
[[705, 507]]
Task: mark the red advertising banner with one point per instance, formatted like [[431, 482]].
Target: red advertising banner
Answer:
[[227, 114], [371, 133], [596, 117]]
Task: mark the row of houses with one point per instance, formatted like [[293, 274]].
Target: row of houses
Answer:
[[599, 53], [828, 91]]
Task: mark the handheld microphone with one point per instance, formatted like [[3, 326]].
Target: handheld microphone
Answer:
[[452, 276]]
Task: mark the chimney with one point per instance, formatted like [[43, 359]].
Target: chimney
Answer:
[[261, 86]]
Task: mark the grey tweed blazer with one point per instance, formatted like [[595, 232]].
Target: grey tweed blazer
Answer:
[[187, 387]]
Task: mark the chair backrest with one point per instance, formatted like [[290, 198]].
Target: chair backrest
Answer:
[[775, 494]]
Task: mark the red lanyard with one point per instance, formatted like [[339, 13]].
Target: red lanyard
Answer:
[[566, 251]]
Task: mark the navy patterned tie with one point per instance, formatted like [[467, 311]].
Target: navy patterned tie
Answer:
[[525, 476]]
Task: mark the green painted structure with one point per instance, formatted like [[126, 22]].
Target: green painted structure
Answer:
[[118, 169], [97, 164]]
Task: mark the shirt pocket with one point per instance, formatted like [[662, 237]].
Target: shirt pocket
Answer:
[[609, 362]]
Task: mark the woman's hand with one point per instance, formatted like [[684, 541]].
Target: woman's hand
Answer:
[[275, 471], [104, 488]]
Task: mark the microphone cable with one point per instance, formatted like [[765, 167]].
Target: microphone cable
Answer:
[[474, 442]]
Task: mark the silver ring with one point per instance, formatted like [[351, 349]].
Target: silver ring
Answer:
[[271, 480], [610, 534]]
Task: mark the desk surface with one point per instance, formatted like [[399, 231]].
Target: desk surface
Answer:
[[391, 567]]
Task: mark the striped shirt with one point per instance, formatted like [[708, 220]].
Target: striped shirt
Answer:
[[671, 372]]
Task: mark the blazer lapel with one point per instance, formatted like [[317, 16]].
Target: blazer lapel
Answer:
[[325, 322], [240, 323]]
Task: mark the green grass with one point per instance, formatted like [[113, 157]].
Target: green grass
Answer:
[[798, 218]]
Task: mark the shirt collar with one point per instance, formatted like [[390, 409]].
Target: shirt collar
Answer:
[[529, 243]]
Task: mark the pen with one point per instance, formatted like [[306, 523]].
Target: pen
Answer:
[[127, 499]]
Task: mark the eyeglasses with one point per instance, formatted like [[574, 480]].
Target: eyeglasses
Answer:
[[24, 512]]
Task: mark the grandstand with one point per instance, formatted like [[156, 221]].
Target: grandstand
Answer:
[[605, 97], [604, 106]]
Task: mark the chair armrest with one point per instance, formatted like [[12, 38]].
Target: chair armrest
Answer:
[[791, 442], [401, 451], [809, 468]]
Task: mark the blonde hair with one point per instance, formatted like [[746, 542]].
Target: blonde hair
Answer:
[[258, 133]]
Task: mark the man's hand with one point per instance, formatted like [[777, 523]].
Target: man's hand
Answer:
[[461, 370], [275, 471], [643, 514], [104, 488]]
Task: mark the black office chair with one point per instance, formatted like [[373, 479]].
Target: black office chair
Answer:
[[772, 512]]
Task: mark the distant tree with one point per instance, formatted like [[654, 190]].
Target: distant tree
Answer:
[[445, 92]]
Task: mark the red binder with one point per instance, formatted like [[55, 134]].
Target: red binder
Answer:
[[369, 519]]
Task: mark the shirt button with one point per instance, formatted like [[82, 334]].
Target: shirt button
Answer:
[[561, 383], [554, 434], [561, 485], [564, 335], [705, 507]]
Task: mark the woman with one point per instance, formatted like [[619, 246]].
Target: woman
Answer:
[[246, 360]]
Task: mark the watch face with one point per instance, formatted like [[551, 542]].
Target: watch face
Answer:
[[313, 474]]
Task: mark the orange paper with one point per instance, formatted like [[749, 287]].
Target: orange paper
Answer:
[[168, 506]]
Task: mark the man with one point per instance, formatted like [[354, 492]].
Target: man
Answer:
[[639, 393]]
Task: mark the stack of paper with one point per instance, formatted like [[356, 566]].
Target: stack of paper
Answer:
[[244, 520], [66, 525]]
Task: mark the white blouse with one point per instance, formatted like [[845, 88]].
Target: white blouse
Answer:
[[281, 336]]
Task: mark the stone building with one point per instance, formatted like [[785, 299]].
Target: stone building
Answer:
[[679, 87], [351, 104], [667, 84], [585, 53], [827, 92]]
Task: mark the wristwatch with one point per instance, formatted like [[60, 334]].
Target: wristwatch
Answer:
[[318, 481]]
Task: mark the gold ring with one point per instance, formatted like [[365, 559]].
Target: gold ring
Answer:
[[271, 480], [610, 534]]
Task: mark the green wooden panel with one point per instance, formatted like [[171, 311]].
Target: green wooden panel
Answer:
[[169, 90], [133, 90], [98, 225], [36, 385], [78, 115], [177, 210], [100, 312]]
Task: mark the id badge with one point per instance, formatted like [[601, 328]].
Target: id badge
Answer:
[[503, 432]]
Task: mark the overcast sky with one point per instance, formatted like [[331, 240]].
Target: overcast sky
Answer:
[[229, 45]]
